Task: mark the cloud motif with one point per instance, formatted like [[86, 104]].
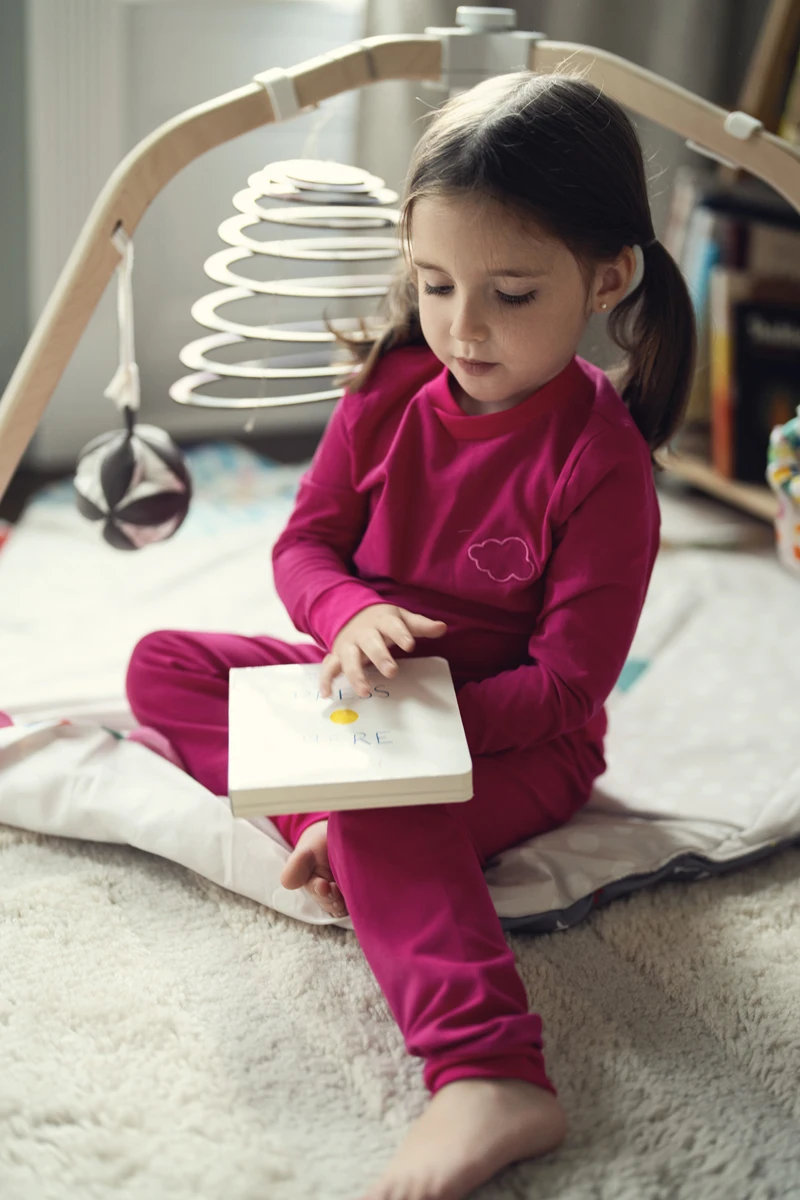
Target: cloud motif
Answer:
[[502, 561]]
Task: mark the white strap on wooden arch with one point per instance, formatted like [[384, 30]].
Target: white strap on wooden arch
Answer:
[[124, 387], [280, 87]]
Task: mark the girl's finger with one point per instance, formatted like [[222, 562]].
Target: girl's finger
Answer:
[[353, 667], [373, 645], [397, 630], [331, 667], [423, 626]]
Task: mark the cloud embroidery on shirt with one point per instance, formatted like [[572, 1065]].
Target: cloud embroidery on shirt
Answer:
[[502, 561]]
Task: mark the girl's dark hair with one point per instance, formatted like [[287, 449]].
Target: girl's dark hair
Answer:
[[556, 148]]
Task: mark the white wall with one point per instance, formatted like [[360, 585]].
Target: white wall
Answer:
[[102, 75], [13, 191]]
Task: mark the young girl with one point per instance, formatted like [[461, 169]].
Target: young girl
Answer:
[[483, 494]]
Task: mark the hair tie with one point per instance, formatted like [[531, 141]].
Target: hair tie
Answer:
[[638, 252], [638, 274]]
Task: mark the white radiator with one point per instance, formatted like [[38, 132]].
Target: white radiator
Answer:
[[102, 74]]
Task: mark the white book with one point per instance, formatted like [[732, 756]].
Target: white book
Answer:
[[291, 751]]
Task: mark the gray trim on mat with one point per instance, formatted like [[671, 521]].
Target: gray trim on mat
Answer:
[[688, 868]]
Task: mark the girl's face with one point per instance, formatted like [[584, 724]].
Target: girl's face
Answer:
[[502, 305]]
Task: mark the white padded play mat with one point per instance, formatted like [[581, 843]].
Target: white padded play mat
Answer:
[[703, 746]]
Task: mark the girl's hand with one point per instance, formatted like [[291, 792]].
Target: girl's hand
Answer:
[[366, 639]]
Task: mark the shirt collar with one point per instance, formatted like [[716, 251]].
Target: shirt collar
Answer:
[[570, 383]]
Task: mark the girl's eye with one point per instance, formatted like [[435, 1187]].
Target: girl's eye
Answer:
[[524, 299], [505, 298]]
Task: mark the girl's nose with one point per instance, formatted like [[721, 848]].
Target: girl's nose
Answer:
[[467, 324]]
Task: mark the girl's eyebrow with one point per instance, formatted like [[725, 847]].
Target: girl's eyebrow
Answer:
[[510, 272]]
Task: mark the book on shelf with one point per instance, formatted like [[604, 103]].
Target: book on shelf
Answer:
[[755, 367], [772, 250], [742, 227], [291, 751], [701, 236]]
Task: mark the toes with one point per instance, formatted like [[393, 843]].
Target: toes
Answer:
[[321, 888], [299, 869], [339, 906], [328, 896]]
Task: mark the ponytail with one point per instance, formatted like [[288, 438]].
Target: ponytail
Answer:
[[400, 327], [655, 327]]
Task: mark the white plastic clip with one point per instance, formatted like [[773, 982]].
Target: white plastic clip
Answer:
[[741, 125], [485, 43], [280, 88]]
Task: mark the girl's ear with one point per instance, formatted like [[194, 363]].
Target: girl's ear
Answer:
[[612, 281]]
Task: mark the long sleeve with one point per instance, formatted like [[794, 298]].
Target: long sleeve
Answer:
[[604, 546], [312, 558]]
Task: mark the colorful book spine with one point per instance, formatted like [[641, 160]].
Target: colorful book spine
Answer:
[[755, 367], [722, 382]]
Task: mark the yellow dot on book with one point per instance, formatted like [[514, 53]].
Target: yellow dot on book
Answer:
[[344, 716]]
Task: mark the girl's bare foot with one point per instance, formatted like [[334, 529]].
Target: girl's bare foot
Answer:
[[308, 867], [470, 1131]]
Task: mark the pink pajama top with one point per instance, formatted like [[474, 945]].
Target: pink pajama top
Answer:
[[531, 532]]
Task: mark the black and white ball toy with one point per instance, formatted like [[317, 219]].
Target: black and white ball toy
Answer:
[[136, 481]]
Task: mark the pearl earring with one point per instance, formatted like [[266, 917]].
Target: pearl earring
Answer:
[[604, 306]]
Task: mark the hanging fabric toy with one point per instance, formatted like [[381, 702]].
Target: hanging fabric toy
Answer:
[[135, 480]]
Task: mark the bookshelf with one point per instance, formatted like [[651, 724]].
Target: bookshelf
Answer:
[[771, 93]]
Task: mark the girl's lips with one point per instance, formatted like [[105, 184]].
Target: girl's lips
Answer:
[[473, 367]]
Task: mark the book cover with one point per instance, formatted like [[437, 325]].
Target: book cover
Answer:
[[773, 250], [713, 240], [767, 369], [292, 751], [723, 284], [755, 367]]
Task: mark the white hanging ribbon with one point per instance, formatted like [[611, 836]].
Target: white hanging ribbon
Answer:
[[124, 387]]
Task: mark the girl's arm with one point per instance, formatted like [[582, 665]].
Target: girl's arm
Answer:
[[605, 544], [312, 558]]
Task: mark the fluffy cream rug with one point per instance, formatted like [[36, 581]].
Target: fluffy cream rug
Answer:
[[162, 1039]]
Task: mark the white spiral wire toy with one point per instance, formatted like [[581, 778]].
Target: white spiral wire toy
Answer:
[[300, 194]]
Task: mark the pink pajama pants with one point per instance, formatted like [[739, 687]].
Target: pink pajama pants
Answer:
[[411, 877]]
